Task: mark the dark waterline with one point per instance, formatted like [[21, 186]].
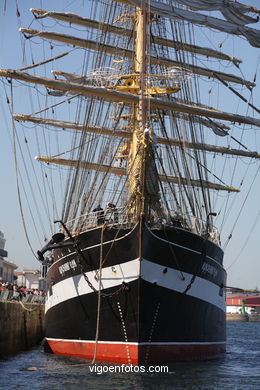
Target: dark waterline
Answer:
[[238, 370]]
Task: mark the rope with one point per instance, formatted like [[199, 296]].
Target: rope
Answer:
[[246, 241], [25, 308], [173, 254], [17, 179], [123, 286], [171, 249], [99, 294], [241, 209], [81, 256], [203, 257]]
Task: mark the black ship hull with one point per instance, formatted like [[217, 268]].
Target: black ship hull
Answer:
[[160, 297]]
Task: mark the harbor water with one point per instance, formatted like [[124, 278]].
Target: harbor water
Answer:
[[238, 370]]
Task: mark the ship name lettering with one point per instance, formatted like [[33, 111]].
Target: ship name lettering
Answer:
[[67, 266], [209, 269]]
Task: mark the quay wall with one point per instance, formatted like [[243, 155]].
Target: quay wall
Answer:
[[21, 326], [243, 317]]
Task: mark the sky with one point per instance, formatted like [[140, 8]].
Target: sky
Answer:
[[242, 258]]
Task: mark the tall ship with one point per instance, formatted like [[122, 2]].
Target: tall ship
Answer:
[[135, 168]]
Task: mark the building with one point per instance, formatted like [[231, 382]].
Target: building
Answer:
[[249, 303], [7, 267], [28, 278]]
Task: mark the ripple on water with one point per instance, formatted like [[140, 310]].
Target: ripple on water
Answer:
[[238, 370]]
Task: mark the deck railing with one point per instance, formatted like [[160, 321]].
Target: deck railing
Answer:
[[121, 217], [111, 216]]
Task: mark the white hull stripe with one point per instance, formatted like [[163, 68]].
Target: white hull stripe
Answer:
[[130, 271], [172, 279], [132, 343], [77, 285]]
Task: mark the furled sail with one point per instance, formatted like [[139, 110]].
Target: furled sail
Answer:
[[143, 140], [234, 12], [121, 171], [123, 52], [108, 94], [95, 24], [169, 11], [126, 134], [140, 107]]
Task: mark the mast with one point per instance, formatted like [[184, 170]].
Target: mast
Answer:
[[171, 178], [140, 116]]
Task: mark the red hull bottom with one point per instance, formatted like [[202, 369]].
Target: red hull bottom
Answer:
[[134, 353]]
